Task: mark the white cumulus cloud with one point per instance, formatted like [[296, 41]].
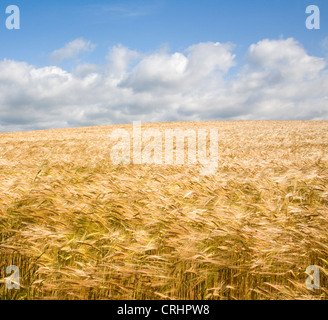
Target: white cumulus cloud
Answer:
[[72, 50], [203, 64]]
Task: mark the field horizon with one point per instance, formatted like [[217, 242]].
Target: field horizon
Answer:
[[80, 227]]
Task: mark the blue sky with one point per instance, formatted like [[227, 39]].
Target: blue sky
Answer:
[[147, 25], [156, 30]]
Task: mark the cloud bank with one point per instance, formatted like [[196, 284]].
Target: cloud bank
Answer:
[[277, 81]]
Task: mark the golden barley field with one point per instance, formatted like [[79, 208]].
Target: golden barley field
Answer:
[[79, 227]]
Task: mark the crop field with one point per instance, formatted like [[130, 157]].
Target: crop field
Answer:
[[80, 227]]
